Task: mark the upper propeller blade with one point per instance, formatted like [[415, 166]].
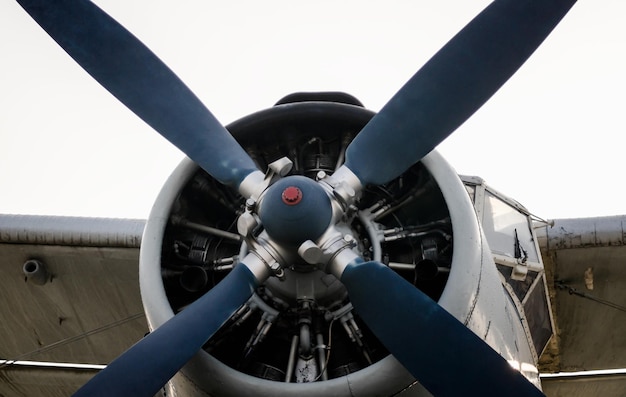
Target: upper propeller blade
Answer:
[[447, 358], [140, 80], [150, 363], [451, 86]]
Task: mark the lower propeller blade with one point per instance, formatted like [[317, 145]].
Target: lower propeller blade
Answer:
[[447, 358], [451, 86], [144, 368], [140, 80]]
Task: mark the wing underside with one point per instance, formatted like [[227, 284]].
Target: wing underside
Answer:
[[584, 261], [87, 311]]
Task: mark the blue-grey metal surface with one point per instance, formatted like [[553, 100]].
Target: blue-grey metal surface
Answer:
[[290, 223]]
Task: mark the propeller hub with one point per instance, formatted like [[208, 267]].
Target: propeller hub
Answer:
[[295, 209]]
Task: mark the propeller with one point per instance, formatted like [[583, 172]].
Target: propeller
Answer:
[[444, 93], [144, 368], [142, 82], [445, 356], [433, 103], [451, 86]]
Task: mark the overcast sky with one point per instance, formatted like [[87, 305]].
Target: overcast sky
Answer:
[[552, 137]]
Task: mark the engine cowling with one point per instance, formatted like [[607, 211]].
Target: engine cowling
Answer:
[[298, 334]]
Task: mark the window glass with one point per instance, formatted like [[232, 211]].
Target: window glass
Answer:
[[520, 287], [538, 317], [507, 230]]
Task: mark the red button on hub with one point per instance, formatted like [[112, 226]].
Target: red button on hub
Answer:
[[292, 195]]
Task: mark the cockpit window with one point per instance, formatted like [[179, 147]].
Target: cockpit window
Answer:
[[508, 230]]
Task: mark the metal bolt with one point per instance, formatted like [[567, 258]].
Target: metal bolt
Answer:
[[250, 204]]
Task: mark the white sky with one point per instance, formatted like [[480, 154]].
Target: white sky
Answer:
[[551, 138]]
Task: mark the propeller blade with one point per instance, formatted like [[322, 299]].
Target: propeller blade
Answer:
[[144, 368], [142, 82], [451, 86], [446, 357]]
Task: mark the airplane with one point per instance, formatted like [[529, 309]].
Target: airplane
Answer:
[[347, 235]]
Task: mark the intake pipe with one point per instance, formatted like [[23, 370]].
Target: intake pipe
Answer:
[[35, 272]]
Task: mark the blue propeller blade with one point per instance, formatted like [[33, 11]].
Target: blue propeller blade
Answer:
[[447, 358], [451, 86], [142, 82], [143, 369]]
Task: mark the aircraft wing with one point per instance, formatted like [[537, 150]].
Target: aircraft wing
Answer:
[[86, 307], [585, 262]]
